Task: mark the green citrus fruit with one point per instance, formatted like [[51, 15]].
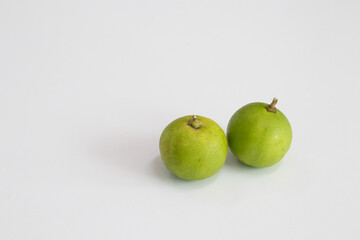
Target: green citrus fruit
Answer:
[[193, 147], [259, 135]]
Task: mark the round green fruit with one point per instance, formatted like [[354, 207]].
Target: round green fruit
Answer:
[[259, 135], [193, 147]]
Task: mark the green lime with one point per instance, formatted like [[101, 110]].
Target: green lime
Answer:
[[259, 135], [193, 147]]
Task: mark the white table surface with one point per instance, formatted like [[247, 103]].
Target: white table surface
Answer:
[[86, 88]]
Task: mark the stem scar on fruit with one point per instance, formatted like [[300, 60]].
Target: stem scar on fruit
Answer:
[[194, 122], [271, 106]]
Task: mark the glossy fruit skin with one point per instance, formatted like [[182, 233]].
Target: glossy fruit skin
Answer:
[[191, 153], [257, 137]]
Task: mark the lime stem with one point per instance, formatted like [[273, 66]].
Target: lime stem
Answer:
[[271, 106], [194, 122]]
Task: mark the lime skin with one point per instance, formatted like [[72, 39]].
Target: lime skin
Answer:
[[258, 137], [193, 147]]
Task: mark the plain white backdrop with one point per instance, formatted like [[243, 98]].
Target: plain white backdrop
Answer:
[[86, 88]]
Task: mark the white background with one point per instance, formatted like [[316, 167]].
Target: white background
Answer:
[[86, 88]]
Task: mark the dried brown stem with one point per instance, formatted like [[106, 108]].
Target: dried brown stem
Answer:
[[271, 106]]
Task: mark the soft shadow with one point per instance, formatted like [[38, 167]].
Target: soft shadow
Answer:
[[160, 171], [122, 152], [132, 155], [236, 165]]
